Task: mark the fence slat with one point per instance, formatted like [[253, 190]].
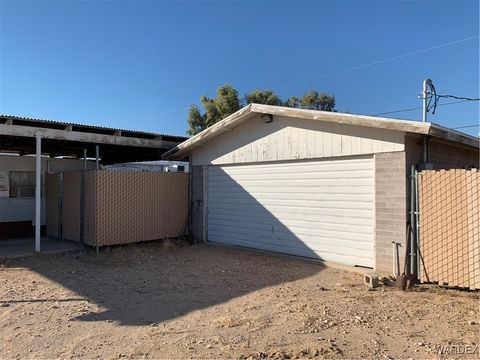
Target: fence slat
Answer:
[[449, 227]]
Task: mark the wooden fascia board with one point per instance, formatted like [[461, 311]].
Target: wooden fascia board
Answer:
[[66, 135], [227, 124], [452, 135]]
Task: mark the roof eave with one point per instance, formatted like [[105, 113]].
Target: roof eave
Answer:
[[407, 126]]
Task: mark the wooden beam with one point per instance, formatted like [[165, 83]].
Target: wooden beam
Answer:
[[30, 131]]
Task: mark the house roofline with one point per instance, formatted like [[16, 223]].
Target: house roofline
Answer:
[[252, 110]]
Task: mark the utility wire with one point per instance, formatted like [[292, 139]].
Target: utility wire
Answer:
[[376, 62], [465, 127], [459, 97], [420, 107], [345, 70]]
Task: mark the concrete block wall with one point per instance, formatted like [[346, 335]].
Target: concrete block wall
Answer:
[[442, 154], [196, 203], [390, 209]]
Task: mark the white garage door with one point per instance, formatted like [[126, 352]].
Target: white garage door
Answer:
[[318, 209]]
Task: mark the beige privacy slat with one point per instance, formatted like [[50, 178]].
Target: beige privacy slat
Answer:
[[125, 207], [449, 227]]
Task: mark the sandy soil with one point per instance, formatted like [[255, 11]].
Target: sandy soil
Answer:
[[161, 300]]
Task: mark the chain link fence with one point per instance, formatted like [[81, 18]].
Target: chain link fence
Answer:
[[449, 239], [110, 207]]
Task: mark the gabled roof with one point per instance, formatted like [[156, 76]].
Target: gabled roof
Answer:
[[253, 110]]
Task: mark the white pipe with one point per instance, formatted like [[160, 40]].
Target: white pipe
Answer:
[[38, 190]]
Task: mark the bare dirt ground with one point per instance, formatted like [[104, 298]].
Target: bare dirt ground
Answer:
[[160, 300]]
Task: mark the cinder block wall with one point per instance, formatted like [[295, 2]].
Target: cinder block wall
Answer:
[[196, 203], [442, 154], [390, 209]]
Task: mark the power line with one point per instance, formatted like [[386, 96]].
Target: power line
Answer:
[[420, 107], [347, 70], [466, 126], [377, 62], [459, 97]]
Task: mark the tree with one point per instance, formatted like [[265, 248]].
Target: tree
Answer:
[[227, 102], [196, 121], [293, 102], [314, 101], [215, 109], [266, 97]]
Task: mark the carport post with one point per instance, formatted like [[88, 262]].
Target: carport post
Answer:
[[38, 189]]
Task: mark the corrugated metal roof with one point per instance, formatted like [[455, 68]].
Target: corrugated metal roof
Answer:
[[55, 124]]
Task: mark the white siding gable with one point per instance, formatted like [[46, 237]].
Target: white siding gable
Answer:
[[289, 138]]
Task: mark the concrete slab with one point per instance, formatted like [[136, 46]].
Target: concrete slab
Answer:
[[24, 247]]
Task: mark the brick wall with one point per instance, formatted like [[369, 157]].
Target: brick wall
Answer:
[[390, 209]]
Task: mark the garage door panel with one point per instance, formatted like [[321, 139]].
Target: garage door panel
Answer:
[[286, 232], [341, 258], [364, 198], [316, 243], [293, 175], [258, 210], [311, 183], [226, 189], [307, 219], [318, 203], [313, 209], [303, 167], [320, 225]]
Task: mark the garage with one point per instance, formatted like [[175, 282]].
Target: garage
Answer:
[[316, 209], [315, 184]]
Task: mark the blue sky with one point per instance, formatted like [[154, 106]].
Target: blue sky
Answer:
[[140, 64]]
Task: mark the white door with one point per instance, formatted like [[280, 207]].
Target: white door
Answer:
[[317, 209]]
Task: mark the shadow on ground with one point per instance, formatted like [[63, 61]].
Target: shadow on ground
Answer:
[[149, 283], [153, 282]]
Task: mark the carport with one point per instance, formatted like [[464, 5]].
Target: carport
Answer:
[[22, 138]]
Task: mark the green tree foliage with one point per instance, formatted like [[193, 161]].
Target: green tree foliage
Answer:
[[314, 101], [266, 97], [227, 102], [293, 102], [196, 121], [215, 109]]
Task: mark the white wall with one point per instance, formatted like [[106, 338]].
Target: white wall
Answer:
[[289, 138], [23, 209]]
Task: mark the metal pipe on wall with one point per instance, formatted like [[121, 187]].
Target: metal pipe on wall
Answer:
[[412, 220], [425, 149], [417, 223], [97, 156]]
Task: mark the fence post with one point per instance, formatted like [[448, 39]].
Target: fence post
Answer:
[[82, 199], [60, 206]]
